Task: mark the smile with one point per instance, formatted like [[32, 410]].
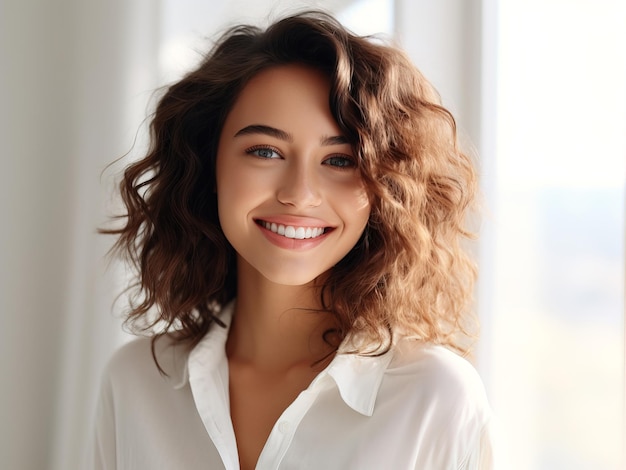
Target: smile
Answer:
[[289, 231]]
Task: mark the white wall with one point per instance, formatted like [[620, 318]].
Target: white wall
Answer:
[[444, 40]]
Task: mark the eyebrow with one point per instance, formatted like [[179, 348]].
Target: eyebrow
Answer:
[[266, 130], [286, 136]]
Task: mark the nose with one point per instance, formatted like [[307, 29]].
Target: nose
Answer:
[[299, 187]]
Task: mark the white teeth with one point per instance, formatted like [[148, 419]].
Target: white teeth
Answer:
[[294, 232]]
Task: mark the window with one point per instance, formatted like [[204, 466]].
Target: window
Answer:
[[557, 351]]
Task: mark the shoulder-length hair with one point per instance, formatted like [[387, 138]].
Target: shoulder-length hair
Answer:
[[407, 273]]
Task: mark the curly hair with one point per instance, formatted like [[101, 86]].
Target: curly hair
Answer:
[[408, 272]]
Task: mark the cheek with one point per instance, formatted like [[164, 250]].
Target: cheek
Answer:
[[228, 189], [364, 211], [230, 181], [238, 193], [360, 204], [363, 203]]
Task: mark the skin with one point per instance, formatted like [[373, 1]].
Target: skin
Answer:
[[282, 159]]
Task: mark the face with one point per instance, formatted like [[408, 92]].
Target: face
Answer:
[[290, 198]]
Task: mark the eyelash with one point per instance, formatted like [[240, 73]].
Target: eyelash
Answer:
[[347, 162], [256, 148]]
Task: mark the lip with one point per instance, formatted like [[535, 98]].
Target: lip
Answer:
[[297, 244], [295, 221]]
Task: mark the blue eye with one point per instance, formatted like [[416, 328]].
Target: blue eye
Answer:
[[340, 161], [263, 152]]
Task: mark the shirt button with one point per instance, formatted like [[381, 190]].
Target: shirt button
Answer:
[[283, 427]]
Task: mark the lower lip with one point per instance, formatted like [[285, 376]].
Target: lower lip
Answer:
[[292, 243]]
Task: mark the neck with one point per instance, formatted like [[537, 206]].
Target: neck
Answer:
[[276, 326]]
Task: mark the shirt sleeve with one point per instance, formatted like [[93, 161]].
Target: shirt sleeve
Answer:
[[481, 456]]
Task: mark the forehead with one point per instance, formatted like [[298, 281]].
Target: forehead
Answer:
[[289, 97]]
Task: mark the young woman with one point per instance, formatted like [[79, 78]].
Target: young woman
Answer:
[[296, 228]]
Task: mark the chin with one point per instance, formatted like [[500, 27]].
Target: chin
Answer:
[[292, 280]]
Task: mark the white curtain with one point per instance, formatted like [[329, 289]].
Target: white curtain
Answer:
[[75, 78]]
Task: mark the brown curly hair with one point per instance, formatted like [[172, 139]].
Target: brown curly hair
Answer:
[[408, 272]]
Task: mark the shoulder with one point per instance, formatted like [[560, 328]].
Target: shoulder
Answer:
[[443, 399], [442, 367], [135, 363], [441, 380]]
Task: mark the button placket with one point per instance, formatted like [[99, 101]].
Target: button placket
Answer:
[[283, 427], [284, 430]]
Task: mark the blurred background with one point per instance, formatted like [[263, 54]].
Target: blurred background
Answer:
[[539, 89]]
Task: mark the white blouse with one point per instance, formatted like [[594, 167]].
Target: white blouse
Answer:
[[418, 406]]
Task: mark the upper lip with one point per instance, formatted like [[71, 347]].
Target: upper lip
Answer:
[[294, 221]]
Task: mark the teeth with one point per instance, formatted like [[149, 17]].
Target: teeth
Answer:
[[299, 233]]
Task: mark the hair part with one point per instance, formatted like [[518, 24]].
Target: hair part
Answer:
[[408, 273]]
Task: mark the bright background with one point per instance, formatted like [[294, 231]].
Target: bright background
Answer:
[[538, 87]]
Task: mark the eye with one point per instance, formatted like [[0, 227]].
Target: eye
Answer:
[[263, 152], [340, 161]]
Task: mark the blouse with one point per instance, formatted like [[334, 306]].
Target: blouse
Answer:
[[418, 406]]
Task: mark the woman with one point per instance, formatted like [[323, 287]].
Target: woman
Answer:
[[296, 229]]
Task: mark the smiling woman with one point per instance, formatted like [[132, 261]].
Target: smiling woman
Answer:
[[296, 228]]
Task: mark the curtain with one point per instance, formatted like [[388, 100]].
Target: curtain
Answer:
[[76, 77]]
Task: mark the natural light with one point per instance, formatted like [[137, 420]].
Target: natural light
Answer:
[[558, 370]]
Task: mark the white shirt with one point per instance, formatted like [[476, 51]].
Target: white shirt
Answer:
[[418, 406]]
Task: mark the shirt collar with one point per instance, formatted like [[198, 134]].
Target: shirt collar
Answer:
[[210, 351], [357, 377]]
